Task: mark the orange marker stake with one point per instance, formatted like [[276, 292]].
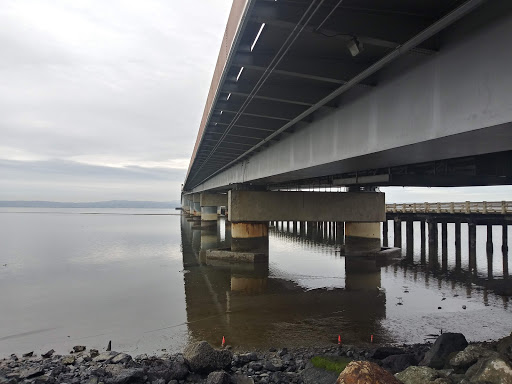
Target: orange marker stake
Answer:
[[224, 341], [339, 339], [371, 339]]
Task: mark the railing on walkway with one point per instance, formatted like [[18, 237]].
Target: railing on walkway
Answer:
[[465, 207]]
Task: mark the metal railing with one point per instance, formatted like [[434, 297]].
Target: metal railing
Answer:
[[465, 207]]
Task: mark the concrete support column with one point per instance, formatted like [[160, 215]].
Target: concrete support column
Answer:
[[398, 233], [422, 242], [362, 237], [340, 232], [249, 237], [457, 246], [472, 246], [208, 216], [196, 205], [490, 250], [504, 249], [432, 243], [385, 233], [409, 238], [444, 245]]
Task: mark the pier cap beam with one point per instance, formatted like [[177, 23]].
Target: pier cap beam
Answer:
[[213, 200], [260, 206]]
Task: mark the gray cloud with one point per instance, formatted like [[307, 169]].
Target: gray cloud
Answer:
[[103, 83]]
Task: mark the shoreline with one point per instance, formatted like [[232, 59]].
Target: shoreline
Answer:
[[201, 363]]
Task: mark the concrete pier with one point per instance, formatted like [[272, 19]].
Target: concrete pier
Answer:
[[210, 204], [361, 237], [196, 207], [397, 241], [472, 246], [249, 237]]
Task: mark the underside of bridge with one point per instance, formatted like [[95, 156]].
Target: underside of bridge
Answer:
[[366, 92]]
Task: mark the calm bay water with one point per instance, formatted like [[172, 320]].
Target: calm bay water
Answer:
[[135, 277]]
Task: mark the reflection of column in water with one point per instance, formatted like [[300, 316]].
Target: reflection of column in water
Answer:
[[489, 250], [472, 246], [208, 241], [361, 273], [409, 238], [249, 279], [458, 252], [504, 249], [444, 245]]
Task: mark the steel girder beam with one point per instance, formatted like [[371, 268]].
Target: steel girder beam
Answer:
[[384, 26]]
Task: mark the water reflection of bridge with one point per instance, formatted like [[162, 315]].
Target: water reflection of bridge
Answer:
[[249, 307], [435, 267]]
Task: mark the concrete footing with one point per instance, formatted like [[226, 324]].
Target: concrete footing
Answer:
[[236, 257]]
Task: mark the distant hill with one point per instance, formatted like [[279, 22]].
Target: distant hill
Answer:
[[97, 204]]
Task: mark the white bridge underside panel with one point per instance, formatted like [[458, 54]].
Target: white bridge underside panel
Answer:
[[455, 103]]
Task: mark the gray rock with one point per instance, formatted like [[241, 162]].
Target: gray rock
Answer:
[[505, 347], [79, 348], [247, 357], [417, 375], [446, 344], [127, 375], [218, 377], [105, 357], [469, 356], [383, 352], [68, 360], [397, 363], [273, 365], [492, 370], [48, 354], [31, 372], [201, 357], [255, 365], [121, 358], [315, 375]]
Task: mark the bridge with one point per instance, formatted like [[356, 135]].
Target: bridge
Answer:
[[329, 93]]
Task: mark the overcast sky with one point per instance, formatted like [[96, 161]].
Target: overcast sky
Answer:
[[102, 100]]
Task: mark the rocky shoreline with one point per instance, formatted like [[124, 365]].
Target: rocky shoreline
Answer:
[[449, 360]]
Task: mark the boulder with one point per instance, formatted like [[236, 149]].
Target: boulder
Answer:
[[120, 358], [492, 370], [48, 354], [201, 357], [444, 346], [105, 357], [417, 375], [383, 352], [130, 375], [397, 363], [505, 347], [313, 375], [79, 348], [469, 356], [218, 377], [357, 372], [173, 369], [68, 360], [31, 373]]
